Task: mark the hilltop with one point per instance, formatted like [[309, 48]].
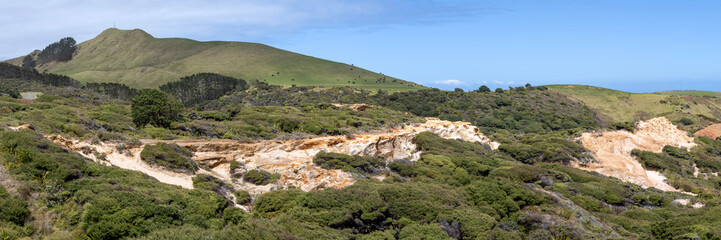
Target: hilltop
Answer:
[[614, 106], [139, 60]]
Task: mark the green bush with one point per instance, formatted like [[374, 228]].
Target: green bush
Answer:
[[12, 208], [659, 161], [504, 197], [472, 225], [152, 106], [232, 215], [210, 183], [276, 202], [418, 232], [12, 92], [242, 197], [690, 224], [170, 156], [608, 193], [403, 168], [22, 156], [357, 164], [259, 177], [643, 214], [685, 121], [214, 115]]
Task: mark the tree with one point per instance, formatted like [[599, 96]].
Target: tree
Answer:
[[499, 90], [458, 90], [155, 107], [29, 62], [484, 88], [60, 51], [197, 88]]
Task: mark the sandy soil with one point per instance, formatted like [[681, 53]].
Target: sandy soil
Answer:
[[613, 151], [291, 159], [712, 131]]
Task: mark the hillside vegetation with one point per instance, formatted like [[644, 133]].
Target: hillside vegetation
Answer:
[[615, 106], [137, 59], [691, 93], [455, 190], [521, 110]]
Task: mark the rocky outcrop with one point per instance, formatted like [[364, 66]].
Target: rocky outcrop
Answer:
[[123, 156], [292, 160], [24, 126], [360, 107], [613, 149]]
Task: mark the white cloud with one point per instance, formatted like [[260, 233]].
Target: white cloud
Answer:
[[504, 83], [450, 82]]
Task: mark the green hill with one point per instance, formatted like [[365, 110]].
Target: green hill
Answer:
[[618, 106], [136, 58], [691, 93]]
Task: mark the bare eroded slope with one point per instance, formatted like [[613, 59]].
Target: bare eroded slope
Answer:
[[613, 151], [292, 159], [712, 131]]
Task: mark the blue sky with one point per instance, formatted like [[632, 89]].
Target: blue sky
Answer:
[[638, 46]]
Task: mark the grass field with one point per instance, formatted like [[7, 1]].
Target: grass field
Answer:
[[618, 106], [136, 58], [692, 93]]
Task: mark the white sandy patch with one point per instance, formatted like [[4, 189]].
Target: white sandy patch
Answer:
[[613, 151], [291, 159]]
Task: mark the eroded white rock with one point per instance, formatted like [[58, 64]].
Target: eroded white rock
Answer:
[[613, 149], [291, 159]]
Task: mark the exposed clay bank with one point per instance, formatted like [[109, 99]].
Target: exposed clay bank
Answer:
[[291, 159]]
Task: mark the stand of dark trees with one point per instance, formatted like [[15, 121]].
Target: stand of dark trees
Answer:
[[113, 90], [197, 88], [60, 51], [11, 71], [29, 62]]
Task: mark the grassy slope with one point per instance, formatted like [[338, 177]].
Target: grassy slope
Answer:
[[691, 93], [138, 59], [619, 106]]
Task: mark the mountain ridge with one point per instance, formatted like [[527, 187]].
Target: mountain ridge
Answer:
[[136, 58]]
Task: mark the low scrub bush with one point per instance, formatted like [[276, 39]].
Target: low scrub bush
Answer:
[[348, 163], [260, 177], [170, 156]]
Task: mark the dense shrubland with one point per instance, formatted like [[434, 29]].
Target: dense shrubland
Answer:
[[88, 200], [524, 190], [521, 110], [9, 91], [691, 171]]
